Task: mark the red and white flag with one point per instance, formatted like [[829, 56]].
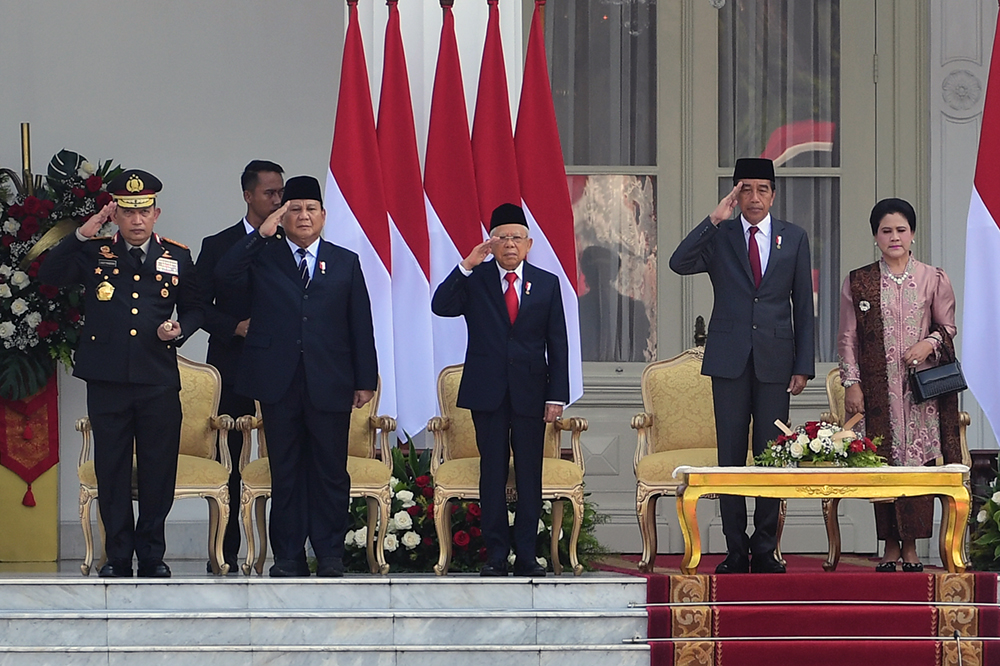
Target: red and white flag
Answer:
[[355, 198], [492, 139], [981, 320], [452, 204], [545, 190], [411, 264]]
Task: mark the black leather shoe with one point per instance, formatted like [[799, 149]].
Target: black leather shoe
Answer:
[[734, 563], [116, 569], [330, 567], [493, 570], [153, 569], [766, 563], [533, 570], [289, 569]]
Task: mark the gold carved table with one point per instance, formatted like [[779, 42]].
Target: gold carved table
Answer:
[[949, 482]]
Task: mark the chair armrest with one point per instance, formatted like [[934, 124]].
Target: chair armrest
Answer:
[[576, 425], [963, 422], [83, 427], [247, 424], [641, 423], [439, 426], [223, 423], [385, 425]]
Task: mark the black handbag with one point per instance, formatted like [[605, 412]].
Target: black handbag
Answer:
[[936, 382]]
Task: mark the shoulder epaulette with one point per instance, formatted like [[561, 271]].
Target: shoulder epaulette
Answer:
[[173, 242]]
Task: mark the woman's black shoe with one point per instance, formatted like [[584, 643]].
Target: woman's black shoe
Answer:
[[887, 567], [913, 567]]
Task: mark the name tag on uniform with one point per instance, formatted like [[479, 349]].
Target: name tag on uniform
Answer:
[[166, 265]]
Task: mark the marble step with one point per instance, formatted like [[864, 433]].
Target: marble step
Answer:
[[300, 655]]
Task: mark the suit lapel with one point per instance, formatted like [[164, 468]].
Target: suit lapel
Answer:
[[739, 246], [492, 277], [286, 261], [777, 227]]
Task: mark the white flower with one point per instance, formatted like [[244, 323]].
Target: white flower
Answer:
[[391, 542], [393, 482], [33, 319], [864, 306], [542, 562], [824, 432], [541, 526], [361, 537], [411, 540], [19, 279], [510, 519], [816, 446], [6, 329], [391, 527], [11, 226], [86, 169], [349, 538], [981, 516], [996, 497], [5, 270], [803, 439], [796, 449], [403, 520], [5, 290], [840, 446], [18, 307], [547, 506], [406, 497]]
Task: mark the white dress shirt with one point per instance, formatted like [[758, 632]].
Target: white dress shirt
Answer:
[[311, 253], [763, 239], [249, 227]]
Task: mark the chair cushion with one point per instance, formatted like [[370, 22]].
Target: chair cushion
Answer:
[[191, 472], [658, 468], [363, 471], [465, 472]]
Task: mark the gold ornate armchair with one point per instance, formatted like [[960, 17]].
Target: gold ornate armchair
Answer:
[[676, 428], [835, 396], [198, 473], [369, 479], [455, 468]]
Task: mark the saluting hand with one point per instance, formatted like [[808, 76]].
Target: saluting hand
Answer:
[[273, 221], [90, 228], [478, 255], [724, 210]]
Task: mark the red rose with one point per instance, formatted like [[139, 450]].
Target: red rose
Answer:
[[475, 532], [870, 444], [454, 509], [29, 227], [46, 328], [7, 240], [94, 183], [430, 511], [812, 429], [32, 205], [426, 541], [16, 211], [423, 481], [48, 291], [857, 446], [33, 269], [482, 554], [474, 510], [103, 199], [73, 315], [48, 206], [461, 539], [78, 192], [414, 510], [428, 492]]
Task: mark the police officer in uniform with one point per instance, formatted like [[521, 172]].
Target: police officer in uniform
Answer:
[[128, 356]]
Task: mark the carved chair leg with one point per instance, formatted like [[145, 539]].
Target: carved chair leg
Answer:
[[646, 515], [246, 513], [574, 561], [374, 525], [260, 506], [384, 506], [88, 533], [220, 518], [442, 523], [782, 512], [557, 520], [832, 521], [213, 529]]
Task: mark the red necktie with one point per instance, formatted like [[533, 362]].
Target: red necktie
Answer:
[[510, 296], [754, 257]]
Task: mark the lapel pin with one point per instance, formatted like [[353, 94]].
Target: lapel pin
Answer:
[[322, 267], [778, 242], [527, 288]]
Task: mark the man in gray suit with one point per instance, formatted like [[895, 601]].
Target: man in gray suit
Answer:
[[760, 339]]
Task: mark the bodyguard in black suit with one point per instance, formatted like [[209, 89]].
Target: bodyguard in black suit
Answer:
[[128, 357], [227, 317], [515, 379], [760, 339], [309, 358]]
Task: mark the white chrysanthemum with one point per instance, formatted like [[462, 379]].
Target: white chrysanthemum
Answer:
[[18, 307], [541, 526], [510, 519], [796, 449], [86, 169], [411, 540], [406, 497], [403, 520], [981, 516], [542, 562], [5, 270], [816, 446], [33, 319], [19, 279], [6, 329], [361, 537], [824, 432], [547, 506], [391, 542], [11, 226], [996, 497], [349, 538], [5, 291]]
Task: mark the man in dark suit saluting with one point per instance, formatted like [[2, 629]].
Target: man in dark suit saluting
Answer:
[[309, 358], [515, 379], [760, 339], [227, 317]]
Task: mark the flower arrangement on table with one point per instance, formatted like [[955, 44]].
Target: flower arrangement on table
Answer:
[[818, 443], [984, 549], [411, 543], [40, 324]]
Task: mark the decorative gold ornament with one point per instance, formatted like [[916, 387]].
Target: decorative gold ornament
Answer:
[[105, 290], [134, 184], [164, 292]]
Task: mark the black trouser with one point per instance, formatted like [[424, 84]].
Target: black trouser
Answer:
[[310, 486], [235, 406], [735, 401], [498, 432], [149, 417]]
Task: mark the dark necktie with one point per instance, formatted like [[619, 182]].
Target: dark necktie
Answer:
[[137, 253], [754, 257], [303, 267], [510, 296]]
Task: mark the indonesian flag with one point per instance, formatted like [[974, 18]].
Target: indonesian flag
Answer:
[[545, 190], [492, 140], [802, 136], [452, 204], [981, 319], [355, 199], [404, 196]]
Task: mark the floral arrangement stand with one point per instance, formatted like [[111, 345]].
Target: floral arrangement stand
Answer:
[[947, 482]]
